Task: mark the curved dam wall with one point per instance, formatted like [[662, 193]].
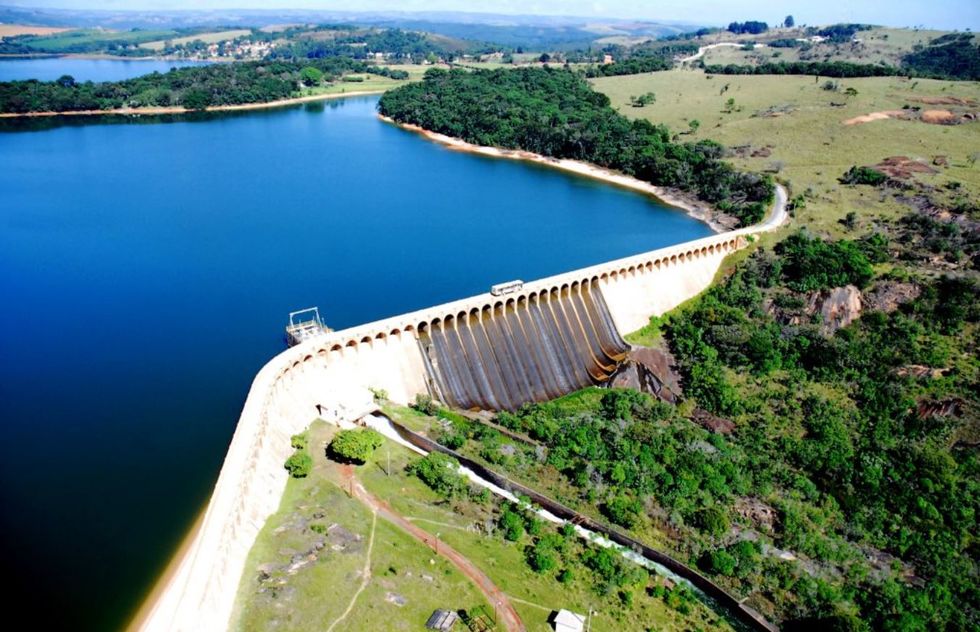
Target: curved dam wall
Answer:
[[330, 377]]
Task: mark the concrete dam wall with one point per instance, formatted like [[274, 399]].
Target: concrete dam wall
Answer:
[[529, 349], [555, 335]]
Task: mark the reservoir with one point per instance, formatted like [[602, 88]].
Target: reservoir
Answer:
[[49, 69], [147, 268]]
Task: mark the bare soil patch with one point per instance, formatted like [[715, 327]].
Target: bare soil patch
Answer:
[[939, 117], [903, 167]]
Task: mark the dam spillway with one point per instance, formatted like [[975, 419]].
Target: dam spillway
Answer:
[[529, 349]]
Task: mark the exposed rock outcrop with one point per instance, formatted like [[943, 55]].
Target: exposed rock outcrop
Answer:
[[838, 307], [888, 295], [714, 423], [651, 371]]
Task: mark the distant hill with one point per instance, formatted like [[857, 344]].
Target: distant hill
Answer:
[[537, 32]]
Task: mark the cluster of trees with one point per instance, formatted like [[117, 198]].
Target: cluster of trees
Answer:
[[359, 43], [955, 56], [554, 112], [863, 175], [194, 88], [752, 27], [952, 56], [632, 66], [841, 33], [841, 69]]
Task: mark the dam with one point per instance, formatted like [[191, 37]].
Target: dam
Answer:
[[493, 352]]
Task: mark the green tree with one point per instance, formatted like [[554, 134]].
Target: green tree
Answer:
[[355, 446], [311, 76], [196, 99], [789, 22], [694, 125], [512, 524]]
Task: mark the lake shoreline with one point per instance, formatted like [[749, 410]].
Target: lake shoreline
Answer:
[[676, 198], [159, 111]]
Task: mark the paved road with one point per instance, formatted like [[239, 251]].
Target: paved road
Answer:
[[507, 615]]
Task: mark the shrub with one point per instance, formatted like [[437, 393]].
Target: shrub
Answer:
[[623, 511], [541, 556], [512, 524], [355, 446], [425, 405], [300, 464], [713, 521], [299, 441], [440, 473], [863, 175]]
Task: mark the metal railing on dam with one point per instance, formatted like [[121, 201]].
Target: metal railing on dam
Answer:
[[330, 377]]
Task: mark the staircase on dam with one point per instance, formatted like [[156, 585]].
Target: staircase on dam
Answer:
[[525, 350]]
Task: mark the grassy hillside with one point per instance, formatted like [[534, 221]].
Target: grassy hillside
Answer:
[[207, 38], [877, 45], [794, 127]]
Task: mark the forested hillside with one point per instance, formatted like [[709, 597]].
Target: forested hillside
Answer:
[[193, 88], [556, 113], [827, 473]]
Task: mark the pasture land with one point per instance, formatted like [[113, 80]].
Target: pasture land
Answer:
[[91, 40], [290, 584], [875, 46], [794, 127], [13, 30], [207, 38]]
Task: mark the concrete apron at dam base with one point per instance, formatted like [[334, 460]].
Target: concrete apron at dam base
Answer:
[[330, 377]]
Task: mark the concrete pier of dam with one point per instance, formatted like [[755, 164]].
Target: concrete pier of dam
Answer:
[[557, 333]]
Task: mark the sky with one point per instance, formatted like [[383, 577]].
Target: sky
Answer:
[[943, 14]]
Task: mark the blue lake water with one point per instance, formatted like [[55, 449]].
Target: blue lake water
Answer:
[[50, 68], [147, 269]]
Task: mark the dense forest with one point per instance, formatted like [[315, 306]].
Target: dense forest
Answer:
[[193, 88], [831, 477], [554, 112]]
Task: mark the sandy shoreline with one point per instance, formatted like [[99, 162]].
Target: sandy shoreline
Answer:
[[157, 111], [163, 582], [679, 199]]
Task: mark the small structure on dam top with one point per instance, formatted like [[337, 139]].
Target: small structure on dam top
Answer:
[[305, 324]]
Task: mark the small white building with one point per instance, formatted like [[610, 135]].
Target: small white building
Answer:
[[568, 621]]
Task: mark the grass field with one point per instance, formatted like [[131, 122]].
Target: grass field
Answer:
[[207, 38], [298, 596], [12, 30], [86, 40], [800, 125], [878, 45]]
